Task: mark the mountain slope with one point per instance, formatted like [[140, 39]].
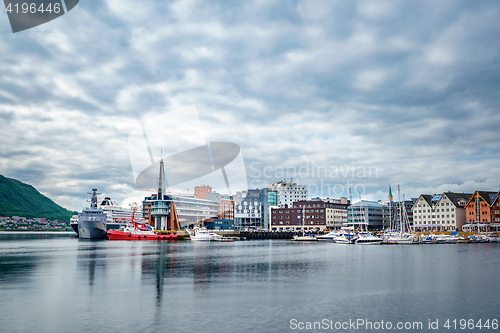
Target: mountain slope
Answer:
[[19, 199]]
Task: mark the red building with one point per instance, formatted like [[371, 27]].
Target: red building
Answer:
[[485, 200], [201, 192], [495, 210], [316, 215]]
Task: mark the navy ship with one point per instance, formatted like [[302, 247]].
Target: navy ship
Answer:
[[117, 217], [92, 220]]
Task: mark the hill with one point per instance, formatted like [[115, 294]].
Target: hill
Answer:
[[19, 199]]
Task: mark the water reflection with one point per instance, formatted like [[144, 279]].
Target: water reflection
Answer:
[[90, 256], [20, 253], [142, 285]]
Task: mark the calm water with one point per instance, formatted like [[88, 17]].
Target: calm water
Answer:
[[58, 283]]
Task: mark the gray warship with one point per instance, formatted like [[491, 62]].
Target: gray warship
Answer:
[[92, 220]]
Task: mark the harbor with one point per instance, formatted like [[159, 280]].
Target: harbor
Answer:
[[251, 285]]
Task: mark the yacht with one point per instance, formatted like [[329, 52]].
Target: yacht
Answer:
[[478, 239], [200, 234], [305, 237], [493, 238], [366, 238], [346, 238], [329, 236], [446, 239], [399, 238], [428, 239]]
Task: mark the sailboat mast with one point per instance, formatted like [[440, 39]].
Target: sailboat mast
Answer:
[[478, 211], [399, 200], [361, 212], [303, 220], [404, 215]]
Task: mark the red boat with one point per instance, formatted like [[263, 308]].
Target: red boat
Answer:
[[138, 231]]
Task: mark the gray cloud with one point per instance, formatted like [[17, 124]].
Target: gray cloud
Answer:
[[407, 87]]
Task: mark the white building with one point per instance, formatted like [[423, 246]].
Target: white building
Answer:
[[288, 192], [336, 214], [247, 209], [445, 212]]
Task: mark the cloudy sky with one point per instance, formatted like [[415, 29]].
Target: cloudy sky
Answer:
[[400, 92]]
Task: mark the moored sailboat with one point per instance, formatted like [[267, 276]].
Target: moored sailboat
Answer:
[[304, 236]]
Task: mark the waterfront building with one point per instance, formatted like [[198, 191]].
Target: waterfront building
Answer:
[[365, 215], [225, 205], [159, 209], [495, 210], [268, 200], [253, 207], [444, 212], [319, 214], [248, 209], [167, 211], [422, 213], [189, 210], [290, 218], [288, 192], [225, 202], [336, 212], [219, 224], [201, 192], [479, 207]]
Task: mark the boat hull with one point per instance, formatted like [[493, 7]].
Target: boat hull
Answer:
[[200, 238], [371, 242], [304, 239], [121, 235], [74, 225], [88, 229], [328, 237]]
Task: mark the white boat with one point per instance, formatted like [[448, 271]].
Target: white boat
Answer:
[[446, 239], [366, 238], [493, 238], [346, 239], [399, 238], [200, 234], [329, 236], [305, 237], [219, 238], [428, 239], [478, 239]]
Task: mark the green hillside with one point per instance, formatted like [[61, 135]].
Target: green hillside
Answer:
[[19, 199]]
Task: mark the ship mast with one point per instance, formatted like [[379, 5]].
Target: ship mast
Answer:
[[93, 200]]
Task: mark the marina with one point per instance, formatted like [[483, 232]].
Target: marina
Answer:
[[252, 285]]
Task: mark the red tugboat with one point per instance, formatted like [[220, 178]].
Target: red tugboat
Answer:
[[138, 231]]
